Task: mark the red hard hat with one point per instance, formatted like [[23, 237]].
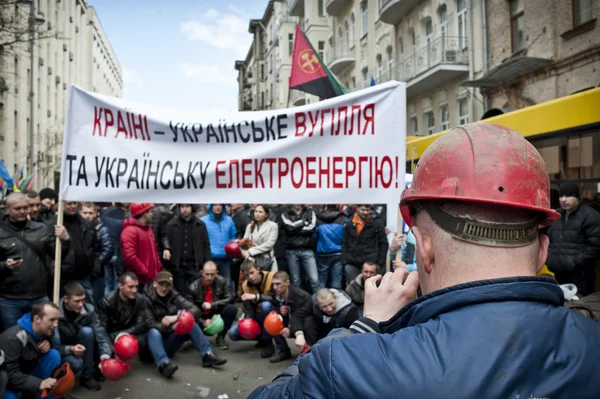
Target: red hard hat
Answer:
[[273, 323], [64, 384], [482, 163], [248, 328], [137, 209], [114, 369], [185, 324], [126, 347], [232, 250]]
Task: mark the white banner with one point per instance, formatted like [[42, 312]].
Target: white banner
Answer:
[[348, 149]]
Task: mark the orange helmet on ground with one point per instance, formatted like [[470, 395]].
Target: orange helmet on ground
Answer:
[[273, 323], [185, 324], [64, 384], [126, 347], [114, 369]]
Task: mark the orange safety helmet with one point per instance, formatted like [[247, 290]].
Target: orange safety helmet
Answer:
[[64, 384], [185, 324], [273, 323], [126, 347], [482, 163], [114, 369]]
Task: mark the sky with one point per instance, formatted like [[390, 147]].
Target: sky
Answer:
[[180, 53]]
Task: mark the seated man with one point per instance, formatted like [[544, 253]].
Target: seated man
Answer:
[[331, 309], [165, 305], [123, 311], [211, 294], [293, 304], [257, 283], [356, 288], [79, 333], [28, 358]]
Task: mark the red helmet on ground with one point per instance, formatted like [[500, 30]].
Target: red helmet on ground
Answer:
[[137, 209], [114, 369], [482, 163], [273, 323], [232, 250], [126, 347], [248, 328], [185, 324], [64, 384]]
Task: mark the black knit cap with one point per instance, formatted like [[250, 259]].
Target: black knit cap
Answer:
[[569, 189], [48, 193]]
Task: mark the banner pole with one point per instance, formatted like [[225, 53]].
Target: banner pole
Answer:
[[58, 255]]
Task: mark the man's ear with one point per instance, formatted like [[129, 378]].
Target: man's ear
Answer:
[[543, 251], [424, 249]]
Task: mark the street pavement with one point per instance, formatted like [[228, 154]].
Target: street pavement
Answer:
[[244, 371]]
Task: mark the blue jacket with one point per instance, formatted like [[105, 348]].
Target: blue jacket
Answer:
[[506, 338], [330, 231], [219, 233]]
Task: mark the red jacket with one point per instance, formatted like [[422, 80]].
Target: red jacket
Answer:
[[140, 252]]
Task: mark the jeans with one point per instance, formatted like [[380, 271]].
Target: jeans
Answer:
[[163, 349], [282, 264], [43, 370], [265, 308], [11, 310], [330, 269], [86, 283], [111, 278], [306, 257], [228, 315], [85, 364], [224, 267], [98, 289]]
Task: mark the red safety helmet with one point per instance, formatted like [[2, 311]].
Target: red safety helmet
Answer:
[[137, 209], [126, 347], [273, 323], [482, 163], [248, 328], [114, 369], [185, 324], [232, 250], [64, 384]]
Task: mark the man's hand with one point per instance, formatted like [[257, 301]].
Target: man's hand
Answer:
[[395, 290], [300, 342], [61, 232], [284, 310], [13, 264], [207, 306], [78, 350], [166, 254], [206, 323], [168, 320], [399, 264], [248, 297], [397, 242], [43, 347], [285, 333], [48, 383]]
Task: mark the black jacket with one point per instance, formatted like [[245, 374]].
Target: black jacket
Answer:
[[345, 312], [113, 219], [159, 221], [68, 330], [299, 228], [356, 290], [105, 249], [200, 241], [69, 270], [117, 318], [172, 306], [221, 294], [299, 303], [574, 240], [30, 280], [242, 219], [371, 245]]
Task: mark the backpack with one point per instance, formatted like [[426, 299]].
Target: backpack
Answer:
[[590, 305]]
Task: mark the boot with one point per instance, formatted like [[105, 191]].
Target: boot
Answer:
[[221, 343], [267, 351], [210, 360], [282, 355], [90, 383], [167, 369]]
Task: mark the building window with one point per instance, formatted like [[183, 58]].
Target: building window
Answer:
[[400, 50], [443, 17], [341, 47], [262, 99], [262, 71], [320, 7], [461, 21], [390, 65], [429, 122], [517, 21], [347, 28], [352, 83], [379, 69], [352, 27], [365, 18], [411, 129], [290, 44], [321, 45], [463, 110], [444, 117], [582, 12], [365, 76]]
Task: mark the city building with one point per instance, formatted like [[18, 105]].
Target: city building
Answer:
[[69, 46]]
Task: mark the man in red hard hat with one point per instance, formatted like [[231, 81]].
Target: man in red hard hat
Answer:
[[486, 326], [138, 244]]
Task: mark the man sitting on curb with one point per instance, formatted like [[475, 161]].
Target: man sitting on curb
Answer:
[[356, 288], [211, 294], [79, 333], [29, 360], [166, 305]]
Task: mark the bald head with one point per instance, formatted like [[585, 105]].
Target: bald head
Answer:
[[209, 272], [17, 207]]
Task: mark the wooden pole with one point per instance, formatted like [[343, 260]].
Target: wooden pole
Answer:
[[58, 254]]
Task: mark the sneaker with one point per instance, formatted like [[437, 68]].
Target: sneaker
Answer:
[[90, 383], [221, 343], [168, 368], [267, 351], [210, 360], [280, 356]]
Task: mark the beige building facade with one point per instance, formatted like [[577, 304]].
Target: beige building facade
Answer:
[[78, 52]]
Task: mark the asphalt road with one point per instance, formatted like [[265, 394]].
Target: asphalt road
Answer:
[[244, 371]]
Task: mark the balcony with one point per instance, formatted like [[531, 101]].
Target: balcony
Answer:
[[296, 8], [391, 11], [443, 60], [339, 58], [297, 98], [335, 7]]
